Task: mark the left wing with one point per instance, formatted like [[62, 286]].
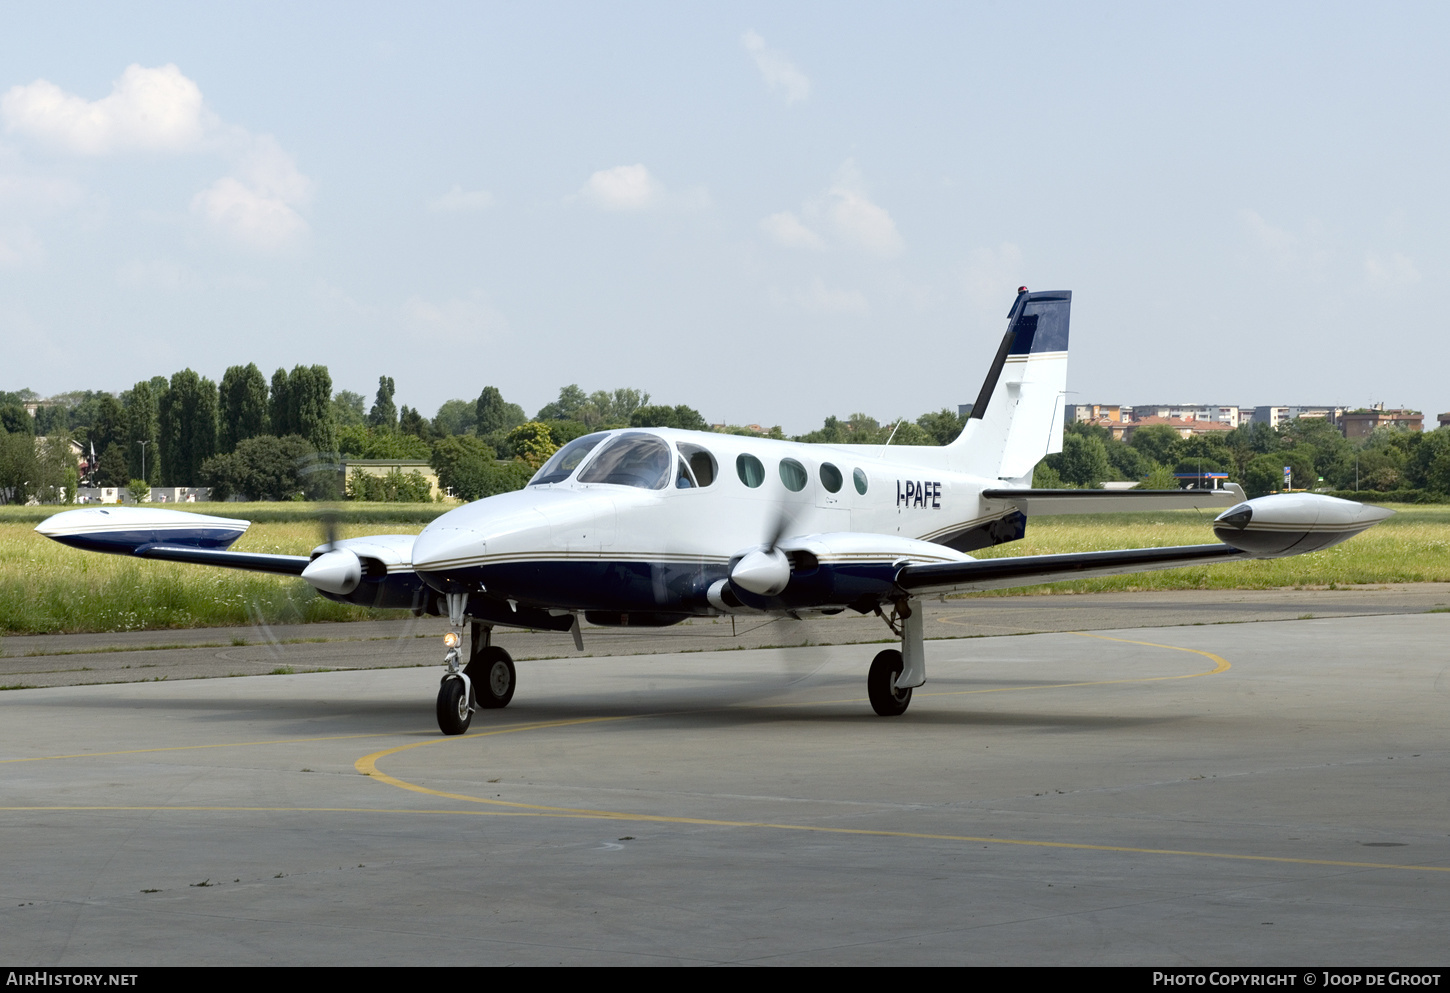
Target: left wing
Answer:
[[1264, 528]]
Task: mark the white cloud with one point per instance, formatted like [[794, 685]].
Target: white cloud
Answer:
[[786, 229], [1393, 273], [247, 215], [844, 214], [457, 321], [155, 274], [256, 207], [622, 188], [1306, 252], [458, 200], [32, 192], [991, 274], [778, 71], [857, 221], [153, 110], [162, 111], [19, 245], [818, 298]]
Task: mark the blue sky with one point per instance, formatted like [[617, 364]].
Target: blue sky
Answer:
[[770, 212]]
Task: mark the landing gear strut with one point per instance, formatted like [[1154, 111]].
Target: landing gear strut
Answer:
[[895, 674], [486, 683]]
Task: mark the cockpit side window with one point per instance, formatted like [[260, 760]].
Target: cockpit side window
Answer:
[[702, 463], [642, 460], [563, 462]]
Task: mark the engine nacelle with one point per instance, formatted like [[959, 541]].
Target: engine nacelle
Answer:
[[1271, 527]]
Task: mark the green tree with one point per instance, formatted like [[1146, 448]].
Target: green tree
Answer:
[[683, 417], [1157, 442], [532, 443], [455, 417], [384, 415], [1420, 467], [18, 466], [348, 409], [1044, 477], [309, 395], [14, 420], [109, 427], [1264, 474], [264, 468], [943, 426], [280, 408], [188, 428], [459, 460], [113, 470], [492, 413], [1083, 461], [363, 443], [571, 401], [1159, 477], [143, 423], [412, 423], [242, 411]]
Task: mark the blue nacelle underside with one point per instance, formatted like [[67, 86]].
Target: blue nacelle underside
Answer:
[[631, 586]]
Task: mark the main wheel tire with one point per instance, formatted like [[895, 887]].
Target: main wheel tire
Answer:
[[493, 676], [885, 699], [454, 715]]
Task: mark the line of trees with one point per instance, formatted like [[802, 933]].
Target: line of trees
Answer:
[[1318, 457], [283, 439]]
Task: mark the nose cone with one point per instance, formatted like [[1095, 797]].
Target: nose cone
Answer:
[[451, 553]]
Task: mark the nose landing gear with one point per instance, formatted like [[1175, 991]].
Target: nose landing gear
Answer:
[[486, 683]]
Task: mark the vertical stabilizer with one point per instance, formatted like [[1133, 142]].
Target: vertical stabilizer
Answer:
[[1017, 419]]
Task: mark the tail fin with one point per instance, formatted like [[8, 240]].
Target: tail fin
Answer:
[[1017, 419]]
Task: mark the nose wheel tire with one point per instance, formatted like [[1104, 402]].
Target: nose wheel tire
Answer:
[[886, 700], [493, 676], [454, 715]]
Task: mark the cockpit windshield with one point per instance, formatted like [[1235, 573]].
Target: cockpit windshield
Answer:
[[567, 459], [633, 459]]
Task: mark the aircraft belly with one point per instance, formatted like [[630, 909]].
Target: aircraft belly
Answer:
[[603, 583]]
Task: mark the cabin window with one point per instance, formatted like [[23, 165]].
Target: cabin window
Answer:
[[830, 478], [684, 480], [752, 473], [859, 478], [702, 463], [793, 475], [563, 463], [641, 460]]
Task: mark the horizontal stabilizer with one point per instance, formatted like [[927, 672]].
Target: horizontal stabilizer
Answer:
[[1053, 502]]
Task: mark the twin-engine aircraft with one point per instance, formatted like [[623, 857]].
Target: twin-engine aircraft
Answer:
[[651, 526]]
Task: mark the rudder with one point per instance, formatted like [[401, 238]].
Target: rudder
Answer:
[[1017, 418]]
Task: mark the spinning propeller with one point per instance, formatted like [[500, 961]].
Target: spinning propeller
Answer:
[[765, 571], [337, 569]]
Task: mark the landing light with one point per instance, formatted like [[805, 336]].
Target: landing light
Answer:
[[451, 639]]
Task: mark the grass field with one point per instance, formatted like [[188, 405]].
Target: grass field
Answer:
[[46, 587]]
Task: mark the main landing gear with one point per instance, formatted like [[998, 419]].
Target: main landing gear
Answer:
[[485, 683], [895, 674]]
